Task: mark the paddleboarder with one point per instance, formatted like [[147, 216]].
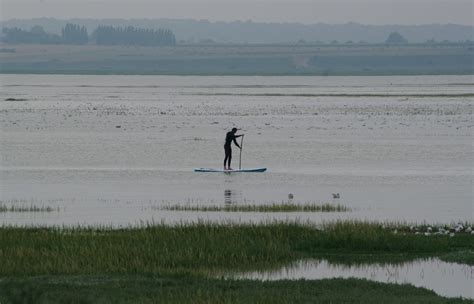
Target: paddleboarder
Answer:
[[229, 138]]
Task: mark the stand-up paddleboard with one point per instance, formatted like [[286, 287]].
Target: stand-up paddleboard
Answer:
[[240, 170], [231, 171]]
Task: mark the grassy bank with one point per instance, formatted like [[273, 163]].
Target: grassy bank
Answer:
[[143, 289], [204, 248], [180, 264], [455, 95], [283, 207], [239, 60]]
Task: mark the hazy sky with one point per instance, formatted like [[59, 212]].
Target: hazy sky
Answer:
[[304, 11]]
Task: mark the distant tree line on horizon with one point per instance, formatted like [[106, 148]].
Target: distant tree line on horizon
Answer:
[[103, 35], [74, 34], [109, 35], [35, 35], [129, 35]]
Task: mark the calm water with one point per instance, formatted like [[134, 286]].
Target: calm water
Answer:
[[112, 149], [446, 279]]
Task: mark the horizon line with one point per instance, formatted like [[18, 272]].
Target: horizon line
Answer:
[[249, 21]]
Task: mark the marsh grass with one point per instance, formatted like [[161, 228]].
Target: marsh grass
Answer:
[[454, 95], [204, 248], [465, 257], [178, 289], [282, 207]]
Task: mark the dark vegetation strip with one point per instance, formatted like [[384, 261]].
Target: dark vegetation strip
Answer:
[[172, 69], [466, 257], [332, 95], [31, 208], [285, 207], [203, 248], [153, 289]]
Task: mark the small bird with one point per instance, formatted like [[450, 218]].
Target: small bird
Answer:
[[290, 196], [336, 195]]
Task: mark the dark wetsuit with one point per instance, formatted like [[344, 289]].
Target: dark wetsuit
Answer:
[[229, 138]]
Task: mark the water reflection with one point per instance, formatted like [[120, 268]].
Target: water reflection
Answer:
[[446, 279], [232, 196]]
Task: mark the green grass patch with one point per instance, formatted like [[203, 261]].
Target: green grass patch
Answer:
[[156, 289], [239, 60], [461, 257], [282, 207], [454, 95], [205, 248]]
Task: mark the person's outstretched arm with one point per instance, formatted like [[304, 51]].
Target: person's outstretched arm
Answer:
[[235, 141]]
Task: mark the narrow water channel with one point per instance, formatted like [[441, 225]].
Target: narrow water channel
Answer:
[[446, 279]]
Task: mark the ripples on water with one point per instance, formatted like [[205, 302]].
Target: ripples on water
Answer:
[[85, 140]]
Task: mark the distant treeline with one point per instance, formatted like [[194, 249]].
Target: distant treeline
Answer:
[[109, 35], [103, 35], [74, 34], [35, 35], [188, 31]]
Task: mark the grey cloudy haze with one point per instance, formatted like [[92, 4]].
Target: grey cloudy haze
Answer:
[[334, 11]]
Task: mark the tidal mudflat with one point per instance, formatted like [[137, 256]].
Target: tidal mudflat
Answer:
[[110, 153], [113, 149]]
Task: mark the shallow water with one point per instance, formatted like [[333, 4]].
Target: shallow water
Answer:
[[446, 279], [112, 149]]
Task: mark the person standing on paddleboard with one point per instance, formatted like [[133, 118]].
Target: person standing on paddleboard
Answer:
[[229, 138]]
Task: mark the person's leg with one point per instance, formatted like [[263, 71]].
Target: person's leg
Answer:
[[229, 160], [228, 152], [225, 158]]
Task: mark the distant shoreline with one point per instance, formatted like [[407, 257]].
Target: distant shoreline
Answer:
[[195, 31], [97, 73], [240, 60]]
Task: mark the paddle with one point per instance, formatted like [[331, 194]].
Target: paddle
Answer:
[[241, 147]]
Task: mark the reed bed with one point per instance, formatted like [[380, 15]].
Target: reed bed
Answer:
[[281, 207], [205, 247], [454, 95], [173, 289]]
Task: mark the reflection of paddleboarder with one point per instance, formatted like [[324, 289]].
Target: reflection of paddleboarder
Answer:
[[229, 138]]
